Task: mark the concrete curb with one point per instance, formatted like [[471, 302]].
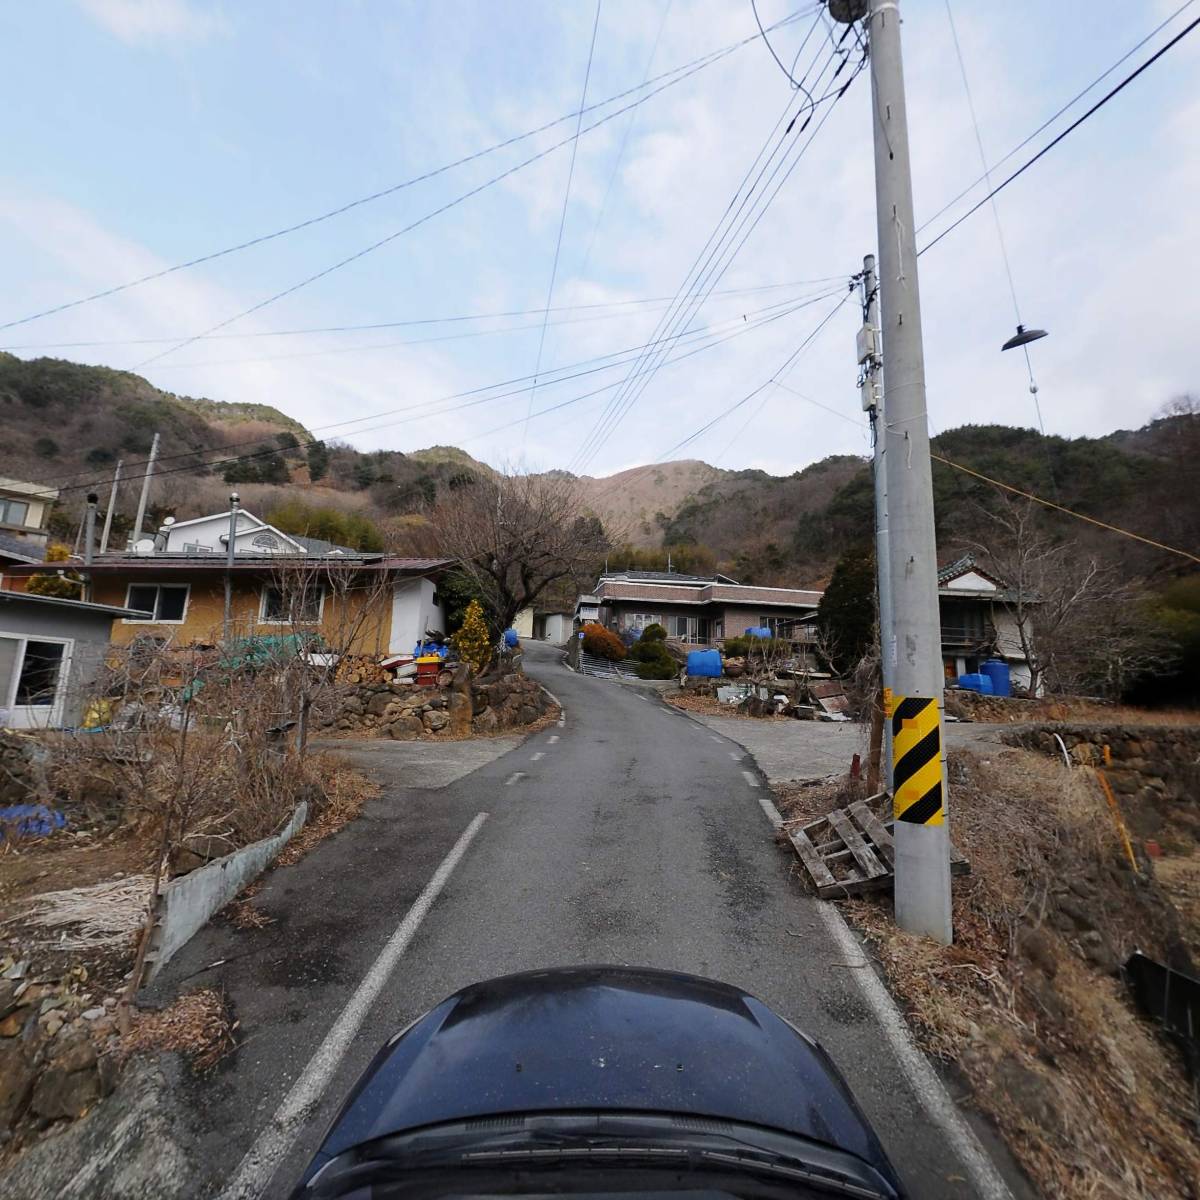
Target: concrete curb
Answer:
[[185, 904]]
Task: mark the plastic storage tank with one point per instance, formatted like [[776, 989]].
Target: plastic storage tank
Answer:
[[511, 638], [760, 631], [996, 669], [976, 682], [704, 664]]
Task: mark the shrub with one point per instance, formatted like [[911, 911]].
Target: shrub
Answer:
[[654, 662], [654, 633], [603, 643], [472, 641], [45, 447], [740, 647]]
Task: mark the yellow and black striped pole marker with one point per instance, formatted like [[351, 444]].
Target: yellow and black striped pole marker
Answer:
[[917, 761]]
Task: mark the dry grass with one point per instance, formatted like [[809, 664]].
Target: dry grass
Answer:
[[196, 1025], [1092, 1101], [346, 791], [88, 918]]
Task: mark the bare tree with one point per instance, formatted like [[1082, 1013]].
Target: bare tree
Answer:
[[1080, 625], [517, 536]]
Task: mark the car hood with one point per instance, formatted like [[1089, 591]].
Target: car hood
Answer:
[[603, 1038]]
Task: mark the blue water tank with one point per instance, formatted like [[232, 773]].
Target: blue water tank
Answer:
[[704, 663], [511, 638], [996, 669], [762, 631], [976, 682]]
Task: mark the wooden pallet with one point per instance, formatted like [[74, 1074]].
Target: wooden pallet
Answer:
[[850, 850]]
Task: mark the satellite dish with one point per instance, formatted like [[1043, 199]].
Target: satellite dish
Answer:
[[1023, 337]]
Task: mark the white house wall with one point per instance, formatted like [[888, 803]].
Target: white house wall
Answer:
[[972, 581], [415, 608], [208, 532]]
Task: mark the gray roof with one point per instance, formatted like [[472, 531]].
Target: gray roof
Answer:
[[321, 546], [110, 610], [11, 547], [665, 577]]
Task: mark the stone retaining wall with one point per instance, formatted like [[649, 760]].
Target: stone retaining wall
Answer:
[[1154, 769], [459, 706]]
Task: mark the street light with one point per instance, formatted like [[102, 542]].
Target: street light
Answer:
[[1023, 337]]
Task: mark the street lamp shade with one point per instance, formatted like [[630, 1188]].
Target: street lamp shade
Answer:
[[846, 12], [1023, 337]]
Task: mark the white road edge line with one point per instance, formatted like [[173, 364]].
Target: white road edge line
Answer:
[[535, 757], [714, 737], [750, 778], [553, 738], [735, 756], [260, 1162], [513, 778], [927, 1087]]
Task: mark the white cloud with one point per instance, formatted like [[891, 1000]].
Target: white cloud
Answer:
[[155, 22]]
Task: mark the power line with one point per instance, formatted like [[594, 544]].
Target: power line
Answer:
[[562, 220], [780, 308], [633, 116], [1069, 129], [796, 86], [616, 408], [704, 60], [485, 316], [712, 270], [464, 196], [1008, 487], [774, 380], [1054, 117], [741, 326]]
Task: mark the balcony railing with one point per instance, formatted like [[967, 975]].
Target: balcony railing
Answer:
[[968, 636]]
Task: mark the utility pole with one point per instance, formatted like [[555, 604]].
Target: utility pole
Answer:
[[912, 648], [141, 509], [89, 542], [870, 382], [230, 551], [112, 503]]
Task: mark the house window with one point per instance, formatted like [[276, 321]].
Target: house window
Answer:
[[291, 606], [166, 603], [264, 541], [688, 629], [639, 621], [38, 681], [13, 512]]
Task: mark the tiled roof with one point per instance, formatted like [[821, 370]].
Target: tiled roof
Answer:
[[710, 593], [11, 547]]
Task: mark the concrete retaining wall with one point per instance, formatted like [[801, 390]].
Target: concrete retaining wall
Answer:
[[185, 904]]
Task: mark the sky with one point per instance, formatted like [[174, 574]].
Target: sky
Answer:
[[146, 133]]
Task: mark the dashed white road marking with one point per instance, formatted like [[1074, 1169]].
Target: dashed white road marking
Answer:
[[553, 738], [257, 1168], [513, 778], [735, 756], [535, 757], [930, 1092], [750, 778], [714, 737]]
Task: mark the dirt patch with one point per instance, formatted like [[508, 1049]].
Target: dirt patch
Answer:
[[710, 706], [197, 1025], [1028, 1003], [972, 706]]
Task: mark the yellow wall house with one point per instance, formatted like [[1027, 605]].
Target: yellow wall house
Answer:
[[359, 602]]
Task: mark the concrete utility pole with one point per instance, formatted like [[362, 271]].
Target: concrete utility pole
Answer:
[[141, 508], [89, 542], [912, 650], [112, 503], [230, 551], [870, 367]]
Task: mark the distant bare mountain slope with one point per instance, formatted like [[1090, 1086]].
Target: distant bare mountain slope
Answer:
[[636, 504]]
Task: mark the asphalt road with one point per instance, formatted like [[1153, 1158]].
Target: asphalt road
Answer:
[[629, 834]]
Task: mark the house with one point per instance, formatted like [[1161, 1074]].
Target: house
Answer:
[[360, 602], [699, 610], [50, 648], [24, 511], [977, 621], [543, 625]]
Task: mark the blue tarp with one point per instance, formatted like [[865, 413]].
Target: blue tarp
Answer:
[[30, 820]]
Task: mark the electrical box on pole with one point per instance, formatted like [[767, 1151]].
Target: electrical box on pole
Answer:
[[912, 645]]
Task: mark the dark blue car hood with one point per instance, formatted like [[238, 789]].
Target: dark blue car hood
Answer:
[[604, 1038]]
